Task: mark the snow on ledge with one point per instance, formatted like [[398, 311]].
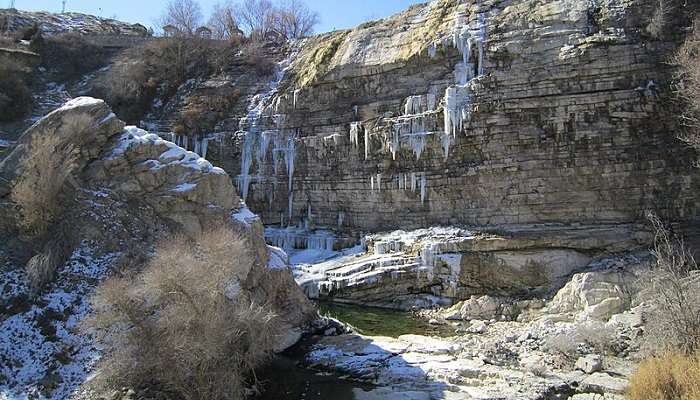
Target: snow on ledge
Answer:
[[80, 102], [245, 216], [174, 155]]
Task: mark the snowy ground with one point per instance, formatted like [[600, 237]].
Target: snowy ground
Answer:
[[42, 354]]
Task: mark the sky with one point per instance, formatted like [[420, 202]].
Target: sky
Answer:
[[335, 14]]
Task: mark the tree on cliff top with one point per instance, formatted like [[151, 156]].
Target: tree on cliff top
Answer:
[[185, 15]]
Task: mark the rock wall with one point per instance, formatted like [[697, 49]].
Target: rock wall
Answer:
[[497, 113]]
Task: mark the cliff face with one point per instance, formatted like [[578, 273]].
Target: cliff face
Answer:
[[506, 112]]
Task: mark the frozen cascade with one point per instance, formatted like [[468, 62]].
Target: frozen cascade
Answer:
[[257, 135], [458, 97], [293, 238]]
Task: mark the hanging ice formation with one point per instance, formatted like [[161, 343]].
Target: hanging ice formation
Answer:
[[458, 98], [293, 238], [265, 126], [355, 128]]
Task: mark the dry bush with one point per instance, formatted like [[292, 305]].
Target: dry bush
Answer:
[[667, 377], [183, 324], [69, 54], [687, 89], [46, 168], [256, 56], [15, 97], [674, 321], [595, 337], [159, 67]]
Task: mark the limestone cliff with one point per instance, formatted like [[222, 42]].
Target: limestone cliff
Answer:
[[491, 113]]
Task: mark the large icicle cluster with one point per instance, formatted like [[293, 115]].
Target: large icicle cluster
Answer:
[[470, 41], [264, 138]]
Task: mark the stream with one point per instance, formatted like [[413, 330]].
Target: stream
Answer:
[[286, 378]]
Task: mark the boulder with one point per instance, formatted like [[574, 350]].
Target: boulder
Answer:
[[590, 363], [592, 295], [481, 307]]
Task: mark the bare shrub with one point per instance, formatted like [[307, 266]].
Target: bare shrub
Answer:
[[674, 322], [46, 168], [184, 324], [256, 56], [15, 97], [687, 89], [71, 54], [42, 267], [671, 376], [585, 338]]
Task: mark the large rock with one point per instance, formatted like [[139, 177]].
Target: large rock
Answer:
[[593, 295]]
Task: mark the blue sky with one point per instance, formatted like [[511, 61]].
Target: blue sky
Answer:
[[335, 14]]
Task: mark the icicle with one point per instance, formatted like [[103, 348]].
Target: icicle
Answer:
[[296, 97], [371, 182], [379, 182], [423, 188], [341, 219], [205, 147], [366, 144], [246, 161], [413, 105], [431, 101], [446, 143], [395, 143], [355, 128], [405, 181], [432, 50], [413, 182]]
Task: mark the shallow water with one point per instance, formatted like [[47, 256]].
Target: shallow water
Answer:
[[372, 321], [286, 378]]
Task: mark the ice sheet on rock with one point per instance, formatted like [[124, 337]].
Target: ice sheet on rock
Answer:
[[184, 187]]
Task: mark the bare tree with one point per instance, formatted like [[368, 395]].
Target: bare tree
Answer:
[[688, 85], [295, 20], [224, 21], [185, 15], [258, 17]]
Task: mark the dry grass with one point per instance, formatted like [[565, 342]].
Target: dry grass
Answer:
[[183, 324], [38, 192], [670, 376]]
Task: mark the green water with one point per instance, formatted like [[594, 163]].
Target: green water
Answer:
[[372, 321]]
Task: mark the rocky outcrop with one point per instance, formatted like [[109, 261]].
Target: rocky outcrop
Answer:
[[442, 266], [129, 190], [51, 24]]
